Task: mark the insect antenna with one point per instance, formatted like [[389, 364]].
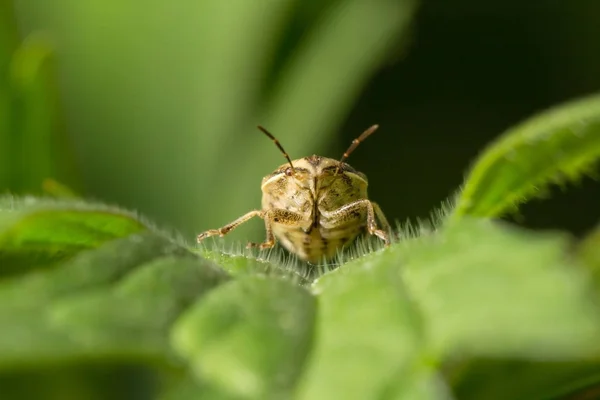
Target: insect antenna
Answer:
[[279, 146], [355, 144]]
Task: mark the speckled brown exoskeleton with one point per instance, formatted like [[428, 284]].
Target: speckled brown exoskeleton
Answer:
[[314, 206]]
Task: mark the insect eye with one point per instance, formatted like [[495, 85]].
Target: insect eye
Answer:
[[288, 171]]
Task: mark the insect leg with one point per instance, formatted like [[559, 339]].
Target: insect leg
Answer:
[[385, 225], [275, 215], [269, 241], [351, 212], [372, 225], [231, 226]]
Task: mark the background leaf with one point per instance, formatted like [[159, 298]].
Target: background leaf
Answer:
[[32, 142], [557, 146], [185, 85], [334, 60], [589, 251], [36, 233], [8, 44], [523, 380]]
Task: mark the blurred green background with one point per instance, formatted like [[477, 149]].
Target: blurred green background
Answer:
[[153, 105]]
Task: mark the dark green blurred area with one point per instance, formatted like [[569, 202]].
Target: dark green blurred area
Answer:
[[472, 70], [153, 105]]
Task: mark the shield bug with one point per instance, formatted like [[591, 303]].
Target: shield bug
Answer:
[[314, 206]]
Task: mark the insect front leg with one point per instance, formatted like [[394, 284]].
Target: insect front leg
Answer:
[[352, 211], [279, 216], [385, 225], [231, 226]]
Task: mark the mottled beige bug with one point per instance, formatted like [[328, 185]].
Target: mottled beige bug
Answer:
[[314, 206]]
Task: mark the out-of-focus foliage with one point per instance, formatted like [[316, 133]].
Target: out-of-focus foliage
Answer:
[[162, 100], [144, 306], [454, 311], [556, 147], [32, 142], [153, 103]]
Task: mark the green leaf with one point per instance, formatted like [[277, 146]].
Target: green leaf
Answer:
[[278, 265], [93, 315], [391, 324], [248, 337], [557, 146], [39, 147], [369, 340], [118, 321], [189, 388], [455, 294], [88, 270], [8, 43], [89, 382], [53, 188], [39, 232], [588, 251], [110, 304], [489, 290], [312, 95], [243, 41]]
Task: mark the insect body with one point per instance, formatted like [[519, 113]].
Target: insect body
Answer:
[[314, 206]]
